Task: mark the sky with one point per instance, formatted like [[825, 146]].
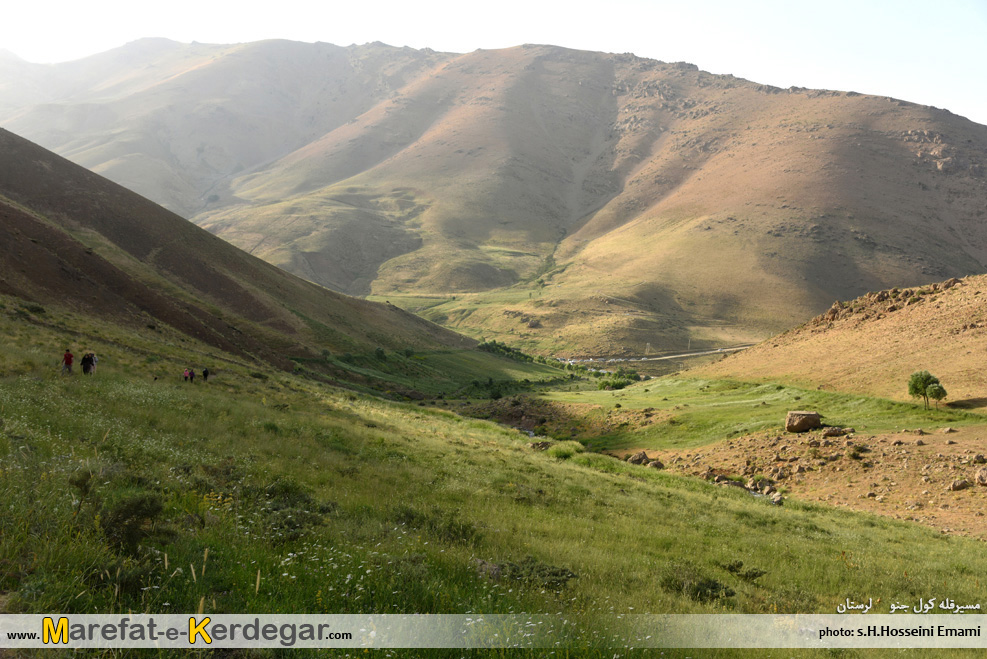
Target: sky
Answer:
[[932, 52]]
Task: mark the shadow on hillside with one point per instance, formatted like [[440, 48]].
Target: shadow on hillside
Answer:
[[967, 403]]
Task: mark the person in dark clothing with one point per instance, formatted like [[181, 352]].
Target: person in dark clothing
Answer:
[[191, 376], [205, 375], [87, 364]]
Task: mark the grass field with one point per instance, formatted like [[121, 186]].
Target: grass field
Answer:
[[694, 412], [262, 491]]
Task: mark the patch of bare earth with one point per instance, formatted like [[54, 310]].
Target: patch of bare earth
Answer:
[[908, 475]]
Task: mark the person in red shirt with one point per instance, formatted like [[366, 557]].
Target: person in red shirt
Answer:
[[67, 359]]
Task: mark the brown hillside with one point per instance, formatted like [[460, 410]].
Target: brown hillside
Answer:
[[71, 238], [873, 344], [615, 200]]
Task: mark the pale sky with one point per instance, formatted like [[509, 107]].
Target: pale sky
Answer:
[[932, 52]]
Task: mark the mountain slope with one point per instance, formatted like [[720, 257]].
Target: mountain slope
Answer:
[[874, 343], [69, 237], [609, 201]]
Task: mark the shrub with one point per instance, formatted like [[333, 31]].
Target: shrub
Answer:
[[442, 525], [565, 450], [131, 517], [687, 579]]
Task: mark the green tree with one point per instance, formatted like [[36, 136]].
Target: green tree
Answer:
[[919, 383], [936, 392]]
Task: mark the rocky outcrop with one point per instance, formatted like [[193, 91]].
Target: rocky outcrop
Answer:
[[639, 458], [802, 421]]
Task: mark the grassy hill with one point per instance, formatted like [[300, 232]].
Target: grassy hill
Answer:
[[71, 239], [283, 495], [874, 343]]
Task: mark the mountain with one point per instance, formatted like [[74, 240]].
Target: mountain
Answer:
[[873, 344], [568, 201], [71, 238]]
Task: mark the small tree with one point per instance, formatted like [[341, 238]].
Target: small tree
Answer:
[[919, 383], [936, 392]]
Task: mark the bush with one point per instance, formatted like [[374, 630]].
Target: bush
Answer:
[[565, 450], [687, 579], [131, 517]]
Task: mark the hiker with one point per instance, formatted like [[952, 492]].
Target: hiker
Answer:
[[185, 375], [67, 359], [87, 364], [95, 360], [191, 376], [205, 375]]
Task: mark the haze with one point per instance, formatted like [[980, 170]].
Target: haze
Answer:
[[917, 51]]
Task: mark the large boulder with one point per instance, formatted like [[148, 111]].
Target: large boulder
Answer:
[[801, 421], [639, 458]]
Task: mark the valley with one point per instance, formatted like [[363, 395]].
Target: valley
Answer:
[[603, 202], [444, 443]]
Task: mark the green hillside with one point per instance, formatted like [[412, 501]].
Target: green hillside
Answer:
[[117, 484]]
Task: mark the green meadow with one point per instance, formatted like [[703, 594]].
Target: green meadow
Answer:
[[694, 411], [266, 491]]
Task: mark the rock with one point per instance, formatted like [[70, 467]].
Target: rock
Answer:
[[639, 458], [950, 442], [961, 484], [777, 499], [897, 442], [655, 464], [946, 431], [489, 570], [981, 476], [919, 442], [833, 432], [801, 421], [539, 446], [979, 459]]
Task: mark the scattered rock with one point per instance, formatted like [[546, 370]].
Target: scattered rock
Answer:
[[540, 446], [946, 431], [655, 464], [801, 421], [958, 485], [835, 431], [981, 476], [919, 442], [777, 499], [979, 459], [639, 458], [950, 442]]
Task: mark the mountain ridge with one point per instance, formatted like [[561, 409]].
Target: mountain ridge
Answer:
[[552, 182]]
